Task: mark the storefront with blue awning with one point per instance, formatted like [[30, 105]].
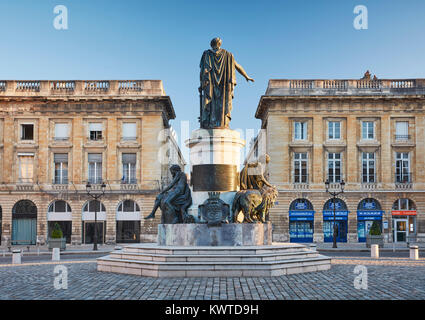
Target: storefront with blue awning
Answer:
[[339, 215], [301, 221], [368, 211]]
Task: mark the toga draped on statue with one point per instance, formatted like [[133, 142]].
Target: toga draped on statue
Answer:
[[217, 83]]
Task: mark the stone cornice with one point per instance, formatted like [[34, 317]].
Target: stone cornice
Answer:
[[53, 92], [339, 104]]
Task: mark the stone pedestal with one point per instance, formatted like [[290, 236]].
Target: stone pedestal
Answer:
[[215, 157], [56, 256], [200, 234], [16, 256]]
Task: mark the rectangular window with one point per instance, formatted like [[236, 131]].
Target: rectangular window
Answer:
[[402, 167], [334, 130], [368, 167], [95, 130], [95, 168], [129, 131], [61, 168], [26, 168], [61, 131], [129, 167], [402, 130], [300, 129], [27, 132], [368, 132], [300, 167], [334, 167]]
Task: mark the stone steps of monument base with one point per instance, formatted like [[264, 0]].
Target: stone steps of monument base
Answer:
[[222, 250], [213, 268], [213, 257]]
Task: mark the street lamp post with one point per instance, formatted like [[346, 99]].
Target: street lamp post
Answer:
[[95, 196], [334, 194]]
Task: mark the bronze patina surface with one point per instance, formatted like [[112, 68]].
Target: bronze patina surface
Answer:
[[214, 177], [218, 80]]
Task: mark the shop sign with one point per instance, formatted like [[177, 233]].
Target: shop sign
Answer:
[[403, 213], [301, 215], [339, 213], [369, 215]]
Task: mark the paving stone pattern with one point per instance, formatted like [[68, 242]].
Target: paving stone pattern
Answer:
[[386, 280]]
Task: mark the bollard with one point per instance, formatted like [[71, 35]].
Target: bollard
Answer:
[[56, 254], [118, 248], [374, 251], [16, 257], [414, 252], [313, 247]]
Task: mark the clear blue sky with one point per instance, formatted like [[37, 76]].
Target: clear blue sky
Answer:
[[165, 39]]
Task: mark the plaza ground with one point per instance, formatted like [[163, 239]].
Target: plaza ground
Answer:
[[393, 276]]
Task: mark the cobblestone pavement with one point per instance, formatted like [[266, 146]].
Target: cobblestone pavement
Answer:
[[387, 279]]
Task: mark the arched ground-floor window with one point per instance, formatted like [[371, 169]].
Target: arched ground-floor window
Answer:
[[94, 215], [128, 222], [60, 212], [368, 211], [24, 223], [301, 221], [335, 214]]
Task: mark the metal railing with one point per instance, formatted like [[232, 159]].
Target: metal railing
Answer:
[[403, 177], [402, 137], [300, 179]]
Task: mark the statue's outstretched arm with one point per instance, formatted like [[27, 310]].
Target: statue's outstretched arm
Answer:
[[242, 72]]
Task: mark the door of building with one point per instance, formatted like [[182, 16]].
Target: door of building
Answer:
[[88, 232], [24, 231], [401, 230]]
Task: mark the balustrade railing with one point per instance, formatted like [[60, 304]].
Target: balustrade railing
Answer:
[[132, 86], [362, 85], [403, 84], [335, 84], [81, 87], [301, 84], [369, 84], [96, 85], [62, 85], [28, 85]]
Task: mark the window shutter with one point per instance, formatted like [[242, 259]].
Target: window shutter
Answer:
[[95, 127], [129, 158], [129, 130], [95, 157], [61, 158], [304, 126], [402, 128], [61, 130]]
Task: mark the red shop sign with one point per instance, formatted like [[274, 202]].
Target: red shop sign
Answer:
[[404, 213]]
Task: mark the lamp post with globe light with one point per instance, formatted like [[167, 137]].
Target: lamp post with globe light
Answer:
[[334, 194], [95, 196]]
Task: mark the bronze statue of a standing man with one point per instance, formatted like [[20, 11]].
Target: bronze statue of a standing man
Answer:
[[217, 83]]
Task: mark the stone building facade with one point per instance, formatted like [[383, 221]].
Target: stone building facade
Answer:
[[369, 133], [55, 136]]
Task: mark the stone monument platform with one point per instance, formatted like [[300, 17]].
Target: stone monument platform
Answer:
[[227, 234], [153, 260]]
